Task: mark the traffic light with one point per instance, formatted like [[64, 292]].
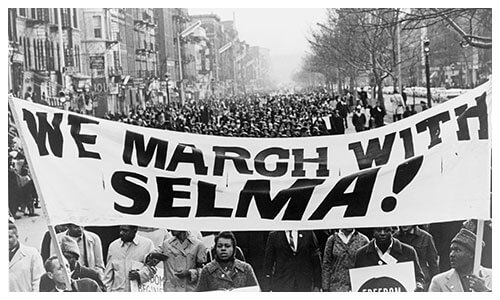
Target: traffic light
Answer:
[[427, 43]]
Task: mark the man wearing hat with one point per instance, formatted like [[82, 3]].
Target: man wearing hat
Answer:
[[71, 251], [460, 278]]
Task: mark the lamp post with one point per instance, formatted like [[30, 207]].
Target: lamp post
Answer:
[[168, 93], [427, 72]]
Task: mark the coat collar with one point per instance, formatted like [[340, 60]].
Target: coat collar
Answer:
[[453, 282], [396, 247], [214, 266], [20, 254]]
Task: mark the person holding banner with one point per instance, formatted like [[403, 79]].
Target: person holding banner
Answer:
[[384, 249], [292, 262], [71, 252], [338, 258], [56, 271], [89, 244], [460, 277], [226, 272], [25, 264], [127, 261]]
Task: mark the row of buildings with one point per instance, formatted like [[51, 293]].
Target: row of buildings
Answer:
[[125, 57]]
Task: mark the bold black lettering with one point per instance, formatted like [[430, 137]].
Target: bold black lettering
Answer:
[[44, 129], [239, 160], [407, 138], [357, 201], [166, 195], [479, 111], [195, 158], [144, 155], [297, 197], [321, 160], [206, 202], [373, 152], [281, 167], [434, 129], [137, 193], [80, 139]]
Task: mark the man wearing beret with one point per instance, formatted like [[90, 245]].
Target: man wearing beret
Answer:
[[71, 251], [460, 278]]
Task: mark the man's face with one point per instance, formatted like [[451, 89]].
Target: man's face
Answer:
[[74, 230], [382, 235], [181, 235], [13, 238], [460, 256], [72, 259], [58, 271], [127, 233]]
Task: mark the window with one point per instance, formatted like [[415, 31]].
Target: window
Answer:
[[22, 12], [56, 20], [97, 26], [33, 13]]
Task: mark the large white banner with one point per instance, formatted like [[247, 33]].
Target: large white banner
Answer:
[[434, 166]]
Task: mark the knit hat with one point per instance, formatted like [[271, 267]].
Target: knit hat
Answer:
[[465, 238], [69, 245]]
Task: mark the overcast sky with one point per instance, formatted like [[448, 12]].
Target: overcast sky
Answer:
[[281, 30]]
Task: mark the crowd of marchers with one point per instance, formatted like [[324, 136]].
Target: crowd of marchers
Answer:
[[120, 258], [294, 261]]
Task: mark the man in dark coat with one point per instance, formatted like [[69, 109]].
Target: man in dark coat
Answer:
[[384, 249], [377, 113], [292, 262], [426, 250]]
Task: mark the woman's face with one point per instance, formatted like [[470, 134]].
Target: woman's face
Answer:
[[224, 248]]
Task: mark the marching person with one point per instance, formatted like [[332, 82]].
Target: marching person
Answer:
[[89, 244], [338, 258], [127, 260], [56, 271], [460, 277], [377, 114], [398, 106], [71, 252], [183, 256], [226, 272], [25, 264], [358, 119], [426, 250], [292, 262], [385, 249]]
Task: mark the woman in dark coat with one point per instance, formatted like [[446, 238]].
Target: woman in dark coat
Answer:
[[226, 272]]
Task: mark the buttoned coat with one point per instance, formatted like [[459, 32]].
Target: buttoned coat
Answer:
[[287, 271], [213, 278], [25, 270], [449, 281]]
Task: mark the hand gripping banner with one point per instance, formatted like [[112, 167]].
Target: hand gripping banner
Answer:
[[434, 166]]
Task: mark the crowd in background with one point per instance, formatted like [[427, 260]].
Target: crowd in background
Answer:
[[114, 258]]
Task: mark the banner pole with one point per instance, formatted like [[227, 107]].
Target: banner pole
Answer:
[[52, 232], [479, 246]]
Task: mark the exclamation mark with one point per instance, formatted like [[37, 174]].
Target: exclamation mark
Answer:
[[405, 173]]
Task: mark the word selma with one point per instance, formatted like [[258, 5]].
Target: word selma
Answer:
[[242, 159]]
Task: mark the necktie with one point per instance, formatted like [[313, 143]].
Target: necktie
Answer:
[[292, 244]]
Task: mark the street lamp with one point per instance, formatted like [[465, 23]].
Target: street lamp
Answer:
[[427, 71]]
